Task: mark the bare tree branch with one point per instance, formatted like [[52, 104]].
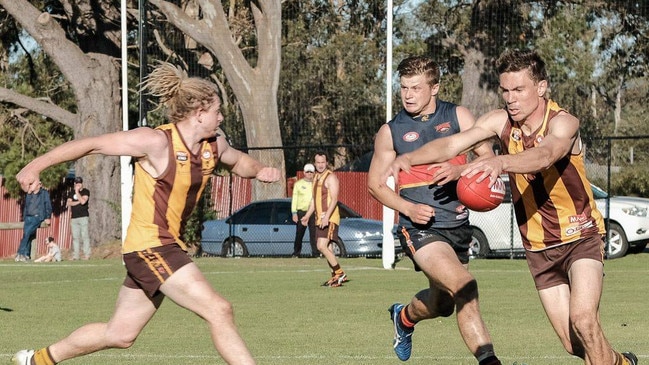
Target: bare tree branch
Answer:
[[47, 109]]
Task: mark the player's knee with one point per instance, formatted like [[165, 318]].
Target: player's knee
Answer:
[[446, 309], [221, 310], [467, 292], [121, 340], [584, 324]]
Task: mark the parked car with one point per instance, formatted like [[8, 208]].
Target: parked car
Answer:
[[266, 228], [495, 233]]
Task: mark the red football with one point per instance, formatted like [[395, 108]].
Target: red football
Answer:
[[480, 197]]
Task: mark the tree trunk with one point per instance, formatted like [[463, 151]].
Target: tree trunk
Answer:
[[617, 113], [477, 95], [262, 130], [95, 79], [255, 86], [100, 113]]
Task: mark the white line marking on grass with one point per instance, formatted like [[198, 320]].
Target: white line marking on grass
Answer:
[[51, 265], [347, 269], [159, 357]]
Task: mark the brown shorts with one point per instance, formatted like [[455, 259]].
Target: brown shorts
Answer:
[[550, 267], [149, 269], [330, 232]]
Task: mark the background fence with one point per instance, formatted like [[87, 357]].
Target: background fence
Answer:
[[609, 159], [334, 88]]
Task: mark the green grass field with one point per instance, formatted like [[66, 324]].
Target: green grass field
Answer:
[[287, 318]]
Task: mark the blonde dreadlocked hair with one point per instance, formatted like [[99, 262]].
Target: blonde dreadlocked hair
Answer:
[[180, 94]]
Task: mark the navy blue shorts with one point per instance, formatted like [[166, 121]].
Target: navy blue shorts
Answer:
[[459, 238]]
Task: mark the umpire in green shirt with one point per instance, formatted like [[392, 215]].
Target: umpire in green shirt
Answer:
[[302, 195]]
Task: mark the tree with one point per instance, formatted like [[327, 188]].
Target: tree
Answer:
[[254, 79], [81, 39], [464, 37], [595, 52], [332, 87]]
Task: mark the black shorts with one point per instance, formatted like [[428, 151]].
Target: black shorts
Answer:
[[459, 238], [149, 269]]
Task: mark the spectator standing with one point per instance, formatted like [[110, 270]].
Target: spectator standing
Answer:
[[38, 209], [324, 205], [53, 251], [78, 204], [302, 195]]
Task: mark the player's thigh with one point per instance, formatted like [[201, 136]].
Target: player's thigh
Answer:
[[189, 288], [133, 310], [440, 264], [586, 281]]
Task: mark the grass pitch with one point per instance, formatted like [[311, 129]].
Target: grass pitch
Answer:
[[287, 318]]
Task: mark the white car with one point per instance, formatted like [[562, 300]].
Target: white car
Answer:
[[495, 233]]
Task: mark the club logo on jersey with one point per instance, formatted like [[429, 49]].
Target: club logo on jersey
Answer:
[[578, 228], [578, 218], [443, 128], [516, 134], [181, 156], [411, 136]]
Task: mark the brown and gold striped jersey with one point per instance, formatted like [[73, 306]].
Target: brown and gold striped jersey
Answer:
[[322, 199], [554, 206], [162, 205]]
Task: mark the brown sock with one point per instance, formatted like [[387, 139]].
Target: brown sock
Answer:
[[43, 357]]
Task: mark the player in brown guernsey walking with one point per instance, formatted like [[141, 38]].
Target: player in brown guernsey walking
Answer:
[[325, 207], [561, 228], [173, 165]]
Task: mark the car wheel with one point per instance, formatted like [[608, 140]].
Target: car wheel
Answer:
[[637, 248], [617, 243], [479, 246], [234, 247], [338, 248]]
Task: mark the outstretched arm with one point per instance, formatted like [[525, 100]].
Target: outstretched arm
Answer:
[[443, 149], [124, 143], [448, 171], [243, 164], [563, 132]]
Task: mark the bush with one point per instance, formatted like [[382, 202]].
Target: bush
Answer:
[[631, 181]]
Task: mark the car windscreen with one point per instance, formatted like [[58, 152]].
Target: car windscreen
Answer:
[[598, 193], [347, 212], [253, 214]]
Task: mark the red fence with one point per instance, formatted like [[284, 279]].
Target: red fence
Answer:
[[227, 199], [353, 192], [10, 211]]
